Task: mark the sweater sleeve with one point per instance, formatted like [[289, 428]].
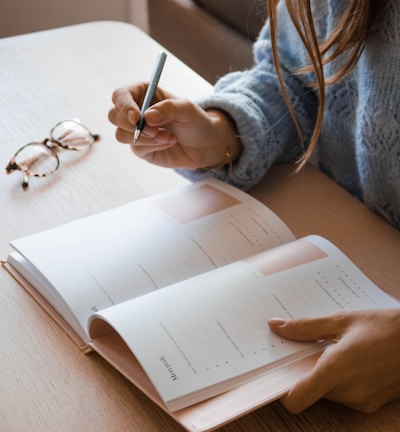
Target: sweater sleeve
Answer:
[[253, 98]]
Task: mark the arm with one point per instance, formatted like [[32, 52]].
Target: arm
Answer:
[[193, 138]]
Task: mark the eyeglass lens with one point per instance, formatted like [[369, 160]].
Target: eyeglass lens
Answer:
[[71, 135], [40, 158], [36, 159]]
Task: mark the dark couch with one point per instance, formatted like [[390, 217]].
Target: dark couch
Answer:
[[212, 36]]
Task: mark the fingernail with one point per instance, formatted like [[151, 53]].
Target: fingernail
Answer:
[[277, 322]]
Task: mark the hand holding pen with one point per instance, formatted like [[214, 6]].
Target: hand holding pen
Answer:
[[151, 90], [179, 132]]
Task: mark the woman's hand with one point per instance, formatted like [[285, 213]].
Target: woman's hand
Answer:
[[361, 369], [177, 134]]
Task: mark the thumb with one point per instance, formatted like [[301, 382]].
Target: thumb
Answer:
[[169, 111], [328, 328]]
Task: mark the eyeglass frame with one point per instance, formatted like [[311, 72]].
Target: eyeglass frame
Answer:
[[14, 166]]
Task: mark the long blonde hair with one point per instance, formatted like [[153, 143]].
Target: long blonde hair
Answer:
[[349, 36]]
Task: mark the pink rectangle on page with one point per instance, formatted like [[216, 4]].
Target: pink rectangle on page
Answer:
[[287, 256], [195, 203]]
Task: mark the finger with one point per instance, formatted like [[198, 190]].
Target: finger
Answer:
[[117, 119], [125, 103], [155, 135], [307, 329], [152, 154], [314, 386], [149, 137], [123, 136]]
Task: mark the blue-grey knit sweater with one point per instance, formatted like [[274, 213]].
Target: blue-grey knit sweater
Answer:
[[360, 143]]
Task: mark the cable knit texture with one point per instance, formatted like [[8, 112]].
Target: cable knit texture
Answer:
[[360, 143]]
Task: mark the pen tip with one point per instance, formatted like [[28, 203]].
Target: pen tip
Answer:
[[136, 136]]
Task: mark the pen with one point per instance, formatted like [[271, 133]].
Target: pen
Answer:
[[151, 90]]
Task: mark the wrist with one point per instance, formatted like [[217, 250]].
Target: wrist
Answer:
[[226, 147]]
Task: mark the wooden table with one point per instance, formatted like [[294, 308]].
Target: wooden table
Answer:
[[46, 384]]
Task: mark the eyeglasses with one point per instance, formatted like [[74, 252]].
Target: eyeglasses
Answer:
[[40, 159]]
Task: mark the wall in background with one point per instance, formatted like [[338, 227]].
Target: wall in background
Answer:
[[25, 16]]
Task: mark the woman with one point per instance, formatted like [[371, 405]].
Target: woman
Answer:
[[325, 83]]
